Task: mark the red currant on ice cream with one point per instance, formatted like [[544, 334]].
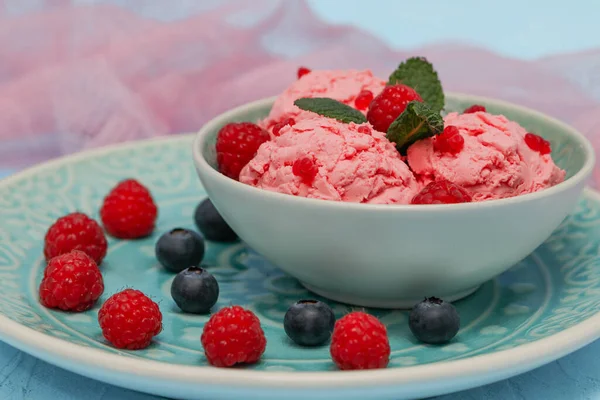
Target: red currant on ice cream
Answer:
[[363, 99], [474, 108], [306, 169], [449, 141], [277, 127], [303, 71], [538, 143]]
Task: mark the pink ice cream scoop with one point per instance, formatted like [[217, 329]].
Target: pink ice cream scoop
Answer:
[[342, 85], [494, 163], [351, 163]]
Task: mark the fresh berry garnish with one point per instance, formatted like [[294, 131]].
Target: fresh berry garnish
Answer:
[[434, 321], [309, 322], [179, 249], [75, 231], [195, 290], [277, 127], [130, 319], [364, 129], [449, 141], [442, 192], [233, 336], [303, 71], [128, 211], [474, 108], [306, 169], [538, 143], [360, 341], [71, 282], [363, 99], [389, 104], [211, 223], [237, 144]]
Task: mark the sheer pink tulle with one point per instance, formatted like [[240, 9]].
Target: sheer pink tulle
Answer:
[[80, 76]]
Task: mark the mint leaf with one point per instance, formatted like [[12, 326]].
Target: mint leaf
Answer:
[[418, 121], [331, 108], [418, 73]]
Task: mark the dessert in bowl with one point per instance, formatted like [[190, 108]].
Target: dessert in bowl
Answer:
[[379, 204]]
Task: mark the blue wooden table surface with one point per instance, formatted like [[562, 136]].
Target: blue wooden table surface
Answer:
[[516, 28]]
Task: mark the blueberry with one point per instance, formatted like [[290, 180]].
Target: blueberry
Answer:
[[309, 322], [195, 290], [211, 223], [434, 321], [179, 249]]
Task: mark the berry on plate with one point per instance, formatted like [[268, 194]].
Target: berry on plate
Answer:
[[179, 249], [442, 192], [195, 290], [211, 223], [474, 108], [130, 319], [237, 144], [128, 211], [360, 341], [389, 104], [75, 231], [309, 322], [233, 336], [434, 321], [71, 282]]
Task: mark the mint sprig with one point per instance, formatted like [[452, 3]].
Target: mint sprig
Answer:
[[418, 121], [418, 73], [331, 108]]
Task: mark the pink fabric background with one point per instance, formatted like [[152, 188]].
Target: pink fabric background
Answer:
[[75, 77]]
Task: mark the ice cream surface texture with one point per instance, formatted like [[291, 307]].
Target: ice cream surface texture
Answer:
[[341, 85], [495, 162], [354, 163]]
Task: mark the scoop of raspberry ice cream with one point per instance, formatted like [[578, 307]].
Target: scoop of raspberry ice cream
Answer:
[[494, 162], [334, 161], [341, 85]]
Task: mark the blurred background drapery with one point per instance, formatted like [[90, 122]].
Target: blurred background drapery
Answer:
[[77, 74]]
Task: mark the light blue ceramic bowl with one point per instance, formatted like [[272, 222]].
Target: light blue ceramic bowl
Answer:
[[392, 256]]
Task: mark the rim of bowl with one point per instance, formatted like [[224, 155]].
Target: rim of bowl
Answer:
[[222, 119]]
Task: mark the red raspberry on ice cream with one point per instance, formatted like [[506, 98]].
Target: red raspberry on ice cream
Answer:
[[237, 144], [389, 104]]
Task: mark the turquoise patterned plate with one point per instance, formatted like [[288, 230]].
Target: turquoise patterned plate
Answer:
[[542, 309]]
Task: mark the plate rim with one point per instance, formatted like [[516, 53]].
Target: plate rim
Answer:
[[65, 354]]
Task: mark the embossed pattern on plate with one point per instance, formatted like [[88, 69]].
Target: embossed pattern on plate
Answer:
[[556, 287]]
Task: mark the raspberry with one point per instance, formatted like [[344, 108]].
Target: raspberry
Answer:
[[363, 99], [538, 143], [71, 282], [389, 104], [474, 108], [75, 231], [449, 141], [277, 127], [128, 211], [237, 144], [360, 341], [130, 319], [232, 336], [303, 71], [442, 192], [306, 169]]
